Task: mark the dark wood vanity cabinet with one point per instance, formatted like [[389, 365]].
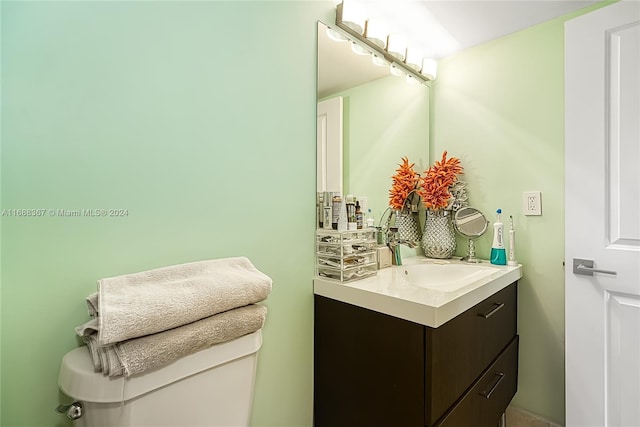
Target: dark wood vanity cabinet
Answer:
[[371, 369]]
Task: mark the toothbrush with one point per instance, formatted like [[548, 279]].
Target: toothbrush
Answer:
[[512, 243]]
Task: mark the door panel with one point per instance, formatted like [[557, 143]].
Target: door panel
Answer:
[[624, 122], [329, 145], [602, 208], [623, 374]]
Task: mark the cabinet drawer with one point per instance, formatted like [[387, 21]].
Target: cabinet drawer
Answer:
[[461, 349], [483, 404]]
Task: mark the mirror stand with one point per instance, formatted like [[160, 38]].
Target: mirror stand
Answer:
[[471, 223], [471, 254]]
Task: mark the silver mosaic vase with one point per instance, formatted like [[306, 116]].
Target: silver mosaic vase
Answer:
[[438, 238], [408, 228]]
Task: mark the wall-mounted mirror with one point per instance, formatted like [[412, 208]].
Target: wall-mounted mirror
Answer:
[[383, 119]]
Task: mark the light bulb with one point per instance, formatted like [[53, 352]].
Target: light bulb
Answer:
[[359, 49], [396, 71], [353, 16], [379, 60], [397, 46], [429, 68], [376, 32], [414, 58], [335, 36]]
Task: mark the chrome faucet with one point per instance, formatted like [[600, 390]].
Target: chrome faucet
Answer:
[[393, 242]]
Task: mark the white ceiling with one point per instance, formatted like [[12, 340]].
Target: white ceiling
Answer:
[[461, 24], [472, 22]]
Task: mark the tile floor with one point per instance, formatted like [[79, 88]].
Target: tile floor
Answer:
[[518, 418]]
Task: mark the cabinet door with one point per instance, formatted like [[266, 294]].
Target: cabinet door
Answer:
[[461, 349], [368, 368], [483, 404]]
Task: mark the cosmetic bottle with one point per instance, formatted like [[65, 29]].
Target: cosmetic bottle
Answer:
[[370, 221], [342, 216], [335, 210], [327, 214], [359, 216], [319, 211], [498, 255], [351, 213]]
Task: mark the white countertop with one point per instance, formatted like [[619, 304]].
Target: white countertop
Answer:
[[390, 293]]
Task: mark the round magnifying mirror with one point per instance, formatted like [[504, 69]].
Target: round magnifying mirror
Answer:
[[471, 223]]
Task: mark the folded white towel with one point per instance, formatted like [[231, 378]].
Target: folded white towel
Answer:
[[87, 328], [140, 304], [113, 363], [154, 351], [92, 304]]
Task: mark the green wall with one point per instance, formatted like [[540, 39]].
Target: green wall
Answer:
[[197, 117], [500, 108]]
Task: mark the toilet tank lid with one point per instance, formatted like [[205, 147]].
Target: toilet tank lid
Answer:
[[78, 380]]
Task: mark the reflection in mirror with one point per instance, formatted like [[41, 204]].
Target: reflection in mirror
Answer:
[[471, 223], [384, 119]]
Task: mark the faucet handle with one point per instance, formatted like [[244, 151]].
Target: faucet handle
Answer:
[[392, 234]]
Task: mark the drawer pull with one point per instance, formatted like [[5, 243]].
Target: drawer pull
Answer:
[[499, 376], [493, 311]]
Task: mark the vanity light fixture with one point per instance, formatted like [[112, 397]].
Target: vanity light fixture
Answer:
[[396, 71], [414, 58], [335, 35], [376, 32], [429, 68], [372, 36], [353, 16], [397, 46], [379, 60], [359, 49]]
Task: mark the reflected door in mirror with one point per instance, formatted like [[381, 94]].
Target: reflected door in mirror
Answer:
[[329, 145]]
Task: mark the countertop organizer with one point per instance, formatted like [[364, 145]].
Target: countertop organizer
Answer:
[[346, 255]]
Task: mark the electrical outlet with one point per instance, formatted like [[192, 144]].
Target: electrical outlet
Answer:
[[532, 203]]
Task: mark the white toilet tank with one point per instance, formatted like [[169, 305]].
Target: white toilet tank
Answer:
[[212, 388]]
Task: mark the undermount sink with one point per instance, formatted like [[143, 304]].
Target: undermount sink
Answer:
[[446, 277]]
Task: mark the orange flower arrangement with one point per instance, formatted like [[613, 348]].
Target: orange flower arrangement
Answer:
[[405, 180], [434, 186]]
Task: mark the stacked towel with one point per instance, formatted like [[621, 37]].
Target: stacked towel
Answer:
[[147, 320], [153, 351]]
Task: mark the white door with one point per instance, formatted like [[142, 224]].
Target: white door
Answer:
[[329, 145], [602, 207]]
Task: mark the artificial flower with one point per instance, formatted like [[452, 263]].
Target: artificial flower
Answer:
[[405, 181], [434, 187]]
